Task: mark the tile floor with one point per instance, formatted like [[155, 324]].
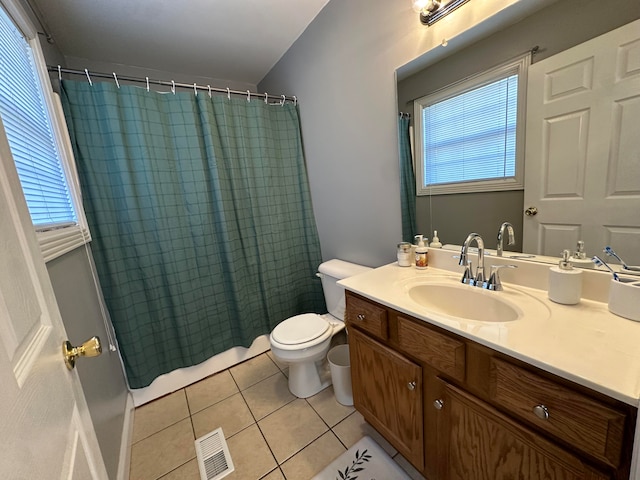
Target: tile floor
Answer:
[[271, 434]]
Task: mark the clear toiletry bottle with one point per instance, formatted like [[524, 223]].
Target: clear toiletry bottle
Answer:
[[565, 282], [404, 254], [422, 253]]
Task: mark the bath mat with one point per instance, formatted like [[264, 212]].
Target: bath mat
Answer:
[[366, 460]]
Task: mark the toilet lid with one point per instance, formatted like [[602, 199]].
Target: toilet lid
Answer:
[[300, 329]]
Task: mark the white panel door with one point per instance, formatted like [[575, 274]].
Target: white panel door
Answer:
[[45, 428], [582, 161]]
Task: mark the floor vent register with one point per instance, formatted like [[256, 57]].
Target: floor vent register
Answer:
[[214, 459]]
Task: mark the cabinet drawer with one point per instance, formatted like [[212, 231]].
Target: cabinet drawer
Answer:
[[367, 316], [438, 350], [571, 416]]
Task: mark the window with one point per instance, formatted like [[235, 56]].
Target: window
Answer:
[[470, 135], [36, 141]]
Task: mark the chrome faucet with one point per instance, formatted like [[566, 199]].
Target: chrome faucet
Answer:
[[468, 276], [509, 228]]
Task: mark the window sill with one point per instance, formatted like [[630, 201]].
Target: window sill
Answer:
[[55, 243], [472, 187]]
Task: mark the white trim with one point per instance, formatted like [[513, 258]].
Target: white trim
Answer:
[[68, 238], [124, 462], [518, 66], [180, 378]]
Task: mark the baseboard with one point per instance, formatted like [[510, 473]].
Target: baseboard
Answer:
[[125, 443], [177, 379]]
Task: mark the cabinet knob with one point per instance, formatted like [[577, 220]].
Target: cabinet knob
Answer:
[[541, 411], [361, 316], [438, 404], [411, 385]]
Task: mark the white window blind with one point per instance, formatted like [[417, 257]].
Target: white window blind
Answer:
[[29, 132], [39, 141], [472, 136], [468, 134]]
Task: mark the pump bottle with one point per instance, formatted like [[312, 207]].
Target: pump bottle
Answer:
[[422, 253], [565, 282]]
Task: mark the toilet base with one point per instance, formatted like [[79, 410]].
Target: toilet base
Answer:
[[308, 378]]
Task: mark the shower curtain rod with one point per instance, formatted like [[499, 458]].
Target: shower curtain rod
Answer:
[[171, 84]]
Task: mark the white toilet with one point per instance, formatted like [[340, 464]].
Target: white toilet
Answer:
[[302, 342]]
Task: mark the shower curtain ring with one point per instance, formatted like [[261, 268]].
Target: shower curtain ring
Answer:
[[59, 73], [266, 98], [228, 93], [116, 79], [284, 99], [248, 96], [209, 90], [86, 72], [173, 87], [147, 78], [195, 89], [295, 100]]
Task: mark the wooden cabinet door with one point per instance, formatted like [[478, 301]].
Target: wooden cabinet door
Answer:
[[479, 443], [387, 390]]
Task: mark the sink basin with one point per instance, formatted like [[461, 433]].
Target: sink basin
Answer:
[[463, 301]]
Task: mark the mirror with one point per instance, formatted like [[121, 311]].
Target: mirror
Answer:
[[455, 215]]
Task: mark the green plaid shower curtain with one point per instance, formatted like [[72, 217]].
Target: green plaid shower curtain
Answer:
[[200, 212]]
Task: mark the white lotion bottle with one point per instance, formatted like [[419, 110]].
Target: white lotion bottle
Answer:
[[565, 282], [435, 241]]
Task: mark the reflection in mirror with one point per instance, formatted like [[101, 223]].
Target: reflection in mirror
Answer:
[[571, 171]]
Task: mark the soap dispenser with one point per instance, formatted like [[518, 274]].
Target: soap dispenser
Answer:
[[579, 258], [565, 282], [422, 252], [435, 241]]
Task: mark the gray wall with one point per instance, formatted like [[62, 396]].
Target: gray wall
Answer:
[[556, 28], [342, 70], [102, 378]]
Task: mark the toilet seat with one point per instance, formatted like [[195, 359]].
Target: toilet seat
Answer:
[[301, 329]]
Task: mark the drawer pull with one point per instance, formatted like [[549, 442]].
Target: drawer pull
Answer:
[[361, 316], [438, 404], [411, 385], [541, 412]]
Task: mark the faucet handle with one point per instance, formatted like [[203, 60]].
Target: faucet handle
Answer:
[[494, 282], [467, 276]]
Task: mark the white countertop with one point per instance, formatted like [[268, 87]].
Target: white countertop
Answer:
[[584, 343]]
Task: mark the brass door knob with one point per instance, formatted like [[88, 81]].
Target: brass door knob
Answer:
[[90, 348]]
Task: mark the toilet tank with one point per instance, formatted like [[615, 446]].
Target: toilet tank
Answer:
[[330, 272]]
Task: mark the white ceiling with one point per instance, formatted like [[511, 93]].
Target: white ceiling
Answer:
[[236, 40]]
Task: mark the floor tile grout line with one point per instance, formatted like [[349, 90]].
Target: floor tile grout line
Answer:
[[161, 430], [262, 380], [305, 446], [311, 443]]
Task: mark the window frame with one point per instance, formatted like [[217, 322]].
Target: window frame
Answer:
[[518, 66], [55, 240]]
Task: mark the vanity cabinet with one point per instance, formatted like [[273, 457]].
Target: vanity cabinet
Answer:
[[480, 443], [388, 394], [458, 410]]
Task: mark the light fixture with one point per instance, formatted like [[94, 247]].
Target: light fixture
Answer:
[[433, 10]]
